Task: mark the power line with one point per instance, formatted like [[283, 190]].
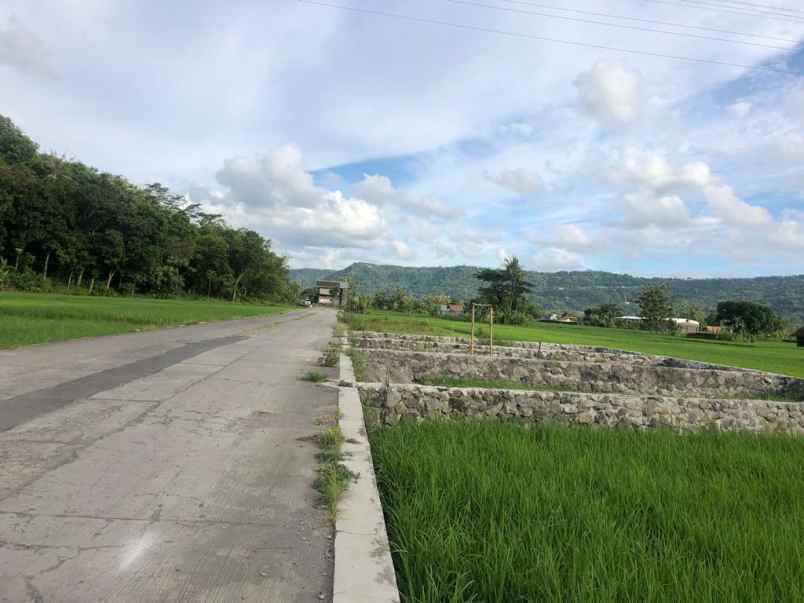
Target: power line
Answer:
[[783, 12], [616, 25], [699, 5], [766, 6], [651, 21], [513, 34]]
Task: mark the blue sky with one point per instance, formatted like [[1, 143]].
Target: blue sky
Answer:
[[345, 136]]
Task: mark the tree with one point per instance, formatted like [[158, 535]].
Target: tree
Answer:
[[655, 307], [67, 220], [748, 319], [604, 315], [507, 290], [15, 147], [689, 311]]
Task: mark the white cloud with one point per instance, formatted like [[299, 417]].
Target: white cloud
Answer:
[[402, 250], [725, 205], [276, 194], [572, 237], [21, 49], [554, 259], [646, 209], [611, 93], [740, 109], [524, 182], [379, 190], [376, 189], [645, 167]]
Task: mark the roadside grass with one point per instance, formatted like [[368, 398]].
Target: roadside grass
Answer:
[[499, 513], [28, 318], [773, 356], [359, 362], [331, 355], [314, 377], [333, 477]]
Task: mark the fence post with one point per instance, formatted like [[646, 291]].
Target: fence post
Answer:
[[491, 333], [472, 338]]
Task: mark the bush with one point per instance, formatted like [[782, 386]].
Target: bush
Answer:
[[26, 280]]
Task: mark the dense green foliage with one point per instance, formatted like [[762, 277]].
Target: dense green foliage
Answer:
[[604, 315], [655, 308], [64, 220], [500, 513], [747, 318], [773, 356], [507, 289], [27, 318], [576, 291]]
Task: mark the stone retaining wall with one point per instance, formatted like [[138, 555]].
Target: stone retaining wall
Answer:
[[415, 402], [369, 340], [594, 377], [551, 352]]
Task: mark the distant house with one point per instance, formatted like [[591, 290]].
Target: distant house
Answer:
[[564, 318], [455, 310], [800, 337], [332, 293], [684, 325]]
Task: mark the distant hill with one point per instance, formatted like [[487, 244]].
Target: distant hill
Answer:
[[573, 290]]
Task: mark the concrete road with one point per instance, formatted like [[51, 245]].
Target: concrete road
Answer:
[[167, 466]]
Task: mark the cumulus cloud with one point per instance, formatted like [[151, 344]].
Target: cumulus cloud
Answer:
[[21, 49], [653, 170], [554, 259], [740, 109], [276, 194], [572, 237], [646, 209], [611, 93], [524, 182], [376, 189], [402, 250], [379, 190], [727, 206]]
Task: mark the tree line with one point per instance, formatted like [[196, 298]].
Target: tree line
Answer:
[[509, 291], [65, 225]]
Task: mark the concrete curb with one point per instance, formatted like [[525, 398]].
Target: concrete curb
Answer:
[[364, 570]]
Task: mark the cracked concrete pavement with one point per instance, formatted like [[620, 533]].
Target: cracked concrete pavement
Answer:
[[155, 471]]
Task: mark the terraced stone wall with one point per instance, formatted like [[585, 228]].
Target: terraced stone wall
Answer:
[[593, 377], [415, 402]]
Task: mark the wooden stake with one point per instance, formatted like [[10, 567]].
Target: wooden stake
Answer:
[[491, 332], [472, 345]]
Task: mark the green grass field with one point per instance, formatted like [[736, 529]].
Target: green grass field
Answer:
[[27, 318], [499, 513], [774, 356]]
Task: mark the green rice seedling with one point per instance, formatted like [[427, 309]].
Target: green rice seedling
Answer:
[[498, 512]]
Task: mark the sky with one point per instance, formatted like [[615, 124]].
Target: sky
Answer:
[[456, 132]]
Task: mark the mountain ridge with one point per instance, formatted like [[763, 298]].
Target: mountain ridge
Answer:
[[572, 290]]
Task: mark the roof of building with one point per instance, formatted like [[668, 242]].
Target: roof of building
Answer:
[[333, 284]]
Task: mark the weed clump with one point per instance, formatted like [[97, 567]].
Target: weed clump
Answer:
[[314, 377], [333, 477]]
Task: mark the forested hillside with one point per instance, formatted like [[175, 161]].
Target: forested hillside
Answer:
[[64, 223], [575, 290]]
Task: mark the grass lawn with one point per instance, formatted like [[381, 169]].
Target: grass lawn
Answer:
[[499, 513], [27, 318], [772, 356]]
